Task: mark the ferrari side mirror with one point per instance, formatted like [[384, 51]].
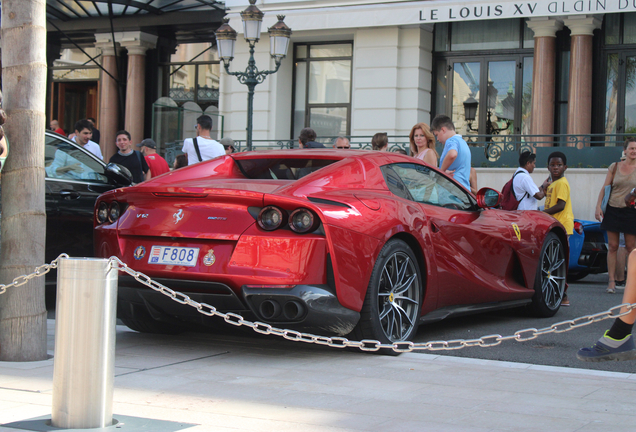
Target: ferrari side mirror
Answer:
[[487, 198]]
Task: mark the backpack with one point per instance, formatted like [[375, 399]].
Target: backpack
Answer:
[[509, 200]]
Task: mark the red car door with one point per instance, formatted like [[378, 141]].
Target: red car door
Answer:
[[472, 252], [470, 246]]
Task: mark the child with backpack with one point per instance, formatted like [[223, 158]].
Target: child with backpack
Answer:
[[520, 193]]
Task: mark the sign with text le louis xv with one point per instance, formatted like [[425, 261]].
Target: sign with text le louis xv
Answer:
[[529, 9], [390, 13]]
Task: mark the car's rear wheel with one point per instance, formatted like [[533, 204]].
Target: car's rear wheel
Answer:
[[549, 283], [392, 305]]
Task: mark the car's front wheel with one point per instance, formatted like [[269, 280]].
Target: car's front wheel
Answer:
[[392, 305], [549, 283]]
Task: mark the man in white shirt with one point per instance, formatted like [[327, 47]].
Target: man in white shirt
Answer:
[[207, 147], [83, 135], [523, 186]]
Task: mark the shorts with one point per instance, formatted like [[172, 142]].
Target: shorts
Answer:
[[619, 220]]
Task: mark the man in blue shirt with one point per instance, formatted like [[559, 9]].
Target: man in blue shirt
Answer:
[[455, 159]]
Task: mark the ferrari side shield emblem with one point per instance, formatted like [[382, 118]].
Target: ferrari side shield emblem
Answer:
[[209, 258], [517, 231], [140, 252]]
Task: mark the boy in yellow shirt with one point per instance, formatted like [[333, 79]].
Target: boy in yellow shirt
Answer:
[[557, 198]]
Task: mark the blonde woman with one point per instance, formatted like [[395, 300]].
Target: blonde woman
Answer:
[[618, 217], [423, 144]]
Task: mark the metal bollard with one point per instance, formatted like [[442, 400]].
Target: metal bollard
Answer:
[[84, 363]]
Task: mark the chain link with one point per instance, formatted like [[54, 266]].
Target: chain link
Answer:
[[38, 272], [368, 344], [338, 342]]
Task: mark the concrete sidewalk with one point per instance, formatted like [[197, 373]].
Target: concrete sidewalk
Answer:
[[240, 382]]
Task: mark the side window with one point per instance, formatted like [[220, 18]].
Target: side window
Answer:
[[395, 183], [425, 185], [63, 160]]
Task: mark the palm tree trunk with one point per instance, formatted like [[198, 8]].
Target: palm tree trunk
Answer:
[[22, 310]]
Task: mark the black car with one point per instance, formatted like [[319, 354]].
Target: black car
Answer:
[[74, 180]]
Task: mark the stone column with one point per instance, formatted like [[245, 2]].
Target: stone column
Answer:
[[108, 98], [136, 43], [580, 85], [543, 77]]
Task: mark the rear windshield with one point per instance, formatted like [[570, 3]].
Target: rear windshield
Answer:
[[281, 169]]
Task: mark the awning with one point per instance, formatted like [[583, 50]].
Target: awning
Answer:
[[183, 20], [66, 10]]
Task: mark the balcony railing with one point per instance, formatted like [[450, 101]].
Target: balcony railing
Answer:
[[581, 151]]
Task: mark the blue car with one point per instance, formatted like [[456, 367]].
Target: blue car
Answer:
[[588, 250]]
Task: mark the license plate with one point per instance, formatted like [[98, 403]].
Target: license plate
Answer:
[[169, 255]]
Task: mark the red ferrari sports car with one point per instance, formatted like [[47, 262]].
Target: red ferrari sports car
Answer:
[[327, 241]]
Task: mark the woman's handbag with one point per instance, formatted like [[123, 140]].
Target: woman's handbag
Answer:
[[608, 190]]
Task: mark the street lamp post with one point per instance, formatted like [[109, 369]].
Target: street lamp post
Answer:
[[279, 35]]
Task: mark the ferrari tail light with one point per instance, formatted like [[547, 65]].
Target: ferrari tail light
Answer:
[[113, 211], [302, 221], [578, 227], [102, 212], [271, 218]]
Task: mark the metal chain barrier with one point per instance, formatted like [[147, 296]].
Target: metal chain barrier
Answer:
[[335, 341], [369, 344], [39, 271]]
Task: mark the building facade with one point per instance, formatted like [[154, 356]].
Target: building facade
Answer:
[[359, 67], [550, 72], [146, 66]]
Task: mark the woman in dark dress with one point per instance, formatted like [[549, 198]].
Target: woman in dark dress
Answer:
[[619, 218]]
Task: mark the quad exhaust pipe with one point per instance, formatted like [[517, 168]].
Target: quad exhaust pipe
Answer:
[[269, 309], [292, 310]]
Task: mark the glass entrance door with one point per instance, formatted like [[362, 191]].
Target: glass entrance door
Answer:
[[620, 96], [490, 97], [466, 97], [500, 97]]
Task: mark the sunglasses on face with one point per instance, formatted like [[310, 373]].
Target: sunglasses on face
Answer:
[[341, 147]]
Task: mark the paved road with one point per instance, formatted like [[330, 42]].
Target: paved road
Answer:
[[587, 296]]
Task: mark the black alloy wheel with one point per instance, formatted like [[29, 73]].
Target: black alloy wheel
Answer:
[[393, 302], [549, 283]]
